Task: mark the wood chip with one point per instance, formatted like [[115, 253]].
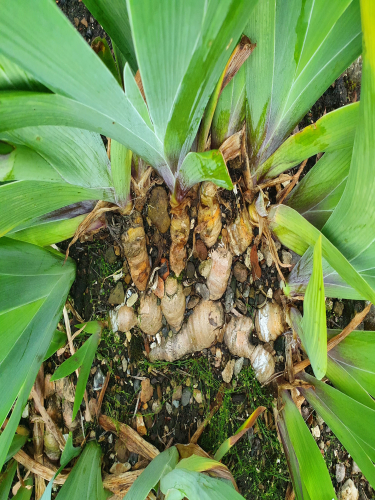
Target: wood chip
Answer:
[[134, 442]]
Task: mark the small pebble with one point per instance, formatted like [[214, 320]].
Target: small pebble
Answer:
[[117, 295], [338, 308], [119, 468], [319, 420], [136, 385], [133, 458], [110, 255], [124, 365], [227, 373], [25, 413], [156, 407], [348, 491], [238, 366], [169, 408], [229, 299], [197, 396], [186, 395], [98, 380], [177, 393], [205, 268], [202, 290], [286, 257], [315, 431], [132, 299], [240, 272], [175, 403], [190, 270], [340, 472], [241, 306]]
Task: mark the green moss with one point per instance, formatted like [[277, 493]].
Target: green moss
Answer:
[[256, 461]]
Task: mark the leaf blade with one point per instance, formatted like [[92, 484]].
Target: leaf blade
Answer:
[[314, 321]]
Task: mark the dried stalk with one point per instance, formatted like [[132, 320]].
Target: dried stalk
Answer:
[[231, 147], [55, 431], [283, 194], [38, 434], [358, 318], [72, 352], [131, 438], [118, 484], [219, 398], [39, 469], [102, 393]]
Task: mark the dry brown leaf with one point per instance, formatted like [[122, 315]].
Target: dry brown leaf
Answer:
[[255, 267]]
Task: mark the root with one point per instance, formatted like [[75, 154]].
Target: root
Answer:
[[180, 229], [150, 316], [218, 277], [202, 330], [173, 303], [134, 244], [209, 214], [240, 233]]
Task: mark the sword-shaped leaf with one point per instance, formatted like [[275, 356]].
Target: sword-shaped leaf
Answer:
[[85, 479], [230, 110], [17, 443], [228, 443], [121, 165], [298, 234], [161, 465], [83, 359], [308, 470], [351, 227], [351, 366], [180, 483], [115, 21], [49, 48], [181, 62], [33, 288], [301, 48], [6, 480], [332, 132], [25, 491], [317, 194], [351, 421], [314, 323]]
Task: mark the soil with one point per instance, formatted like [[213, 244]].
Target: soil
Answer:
[[256, 461]]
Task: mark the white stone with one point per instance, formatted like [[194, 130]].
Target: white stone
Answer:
[[355, 468], [315, 431], [348, 491], [25, 413], [124, 365], [340, 472]]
